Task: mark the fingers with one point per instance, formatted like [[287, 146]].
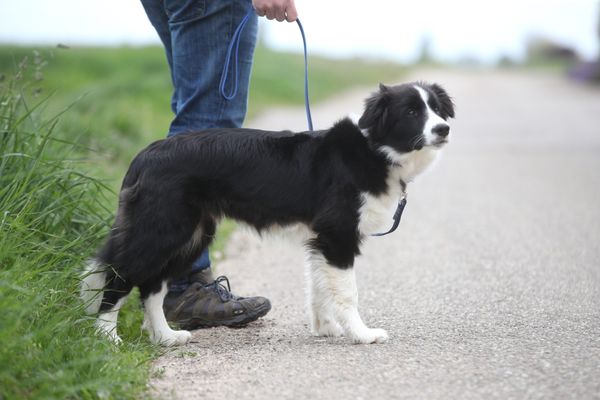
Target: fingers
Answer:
[[291, 13], [260, 12], [281, 10]]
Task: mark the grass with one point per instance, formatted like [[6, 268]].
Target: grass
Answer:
[[70, 121], [50, 214]]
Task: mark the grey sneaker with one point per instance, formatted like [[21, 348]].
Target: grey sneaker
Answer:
[[206, 304]]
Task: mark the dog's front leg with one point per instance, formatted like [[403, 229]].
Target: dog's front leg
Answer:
[[320, 308], [155, 321], [333, 302]]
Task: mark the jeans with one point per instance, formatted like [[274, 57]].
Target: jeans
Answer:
[[196, 35]]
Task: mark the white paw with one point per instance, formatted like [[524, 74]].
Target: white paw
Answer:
[[114, 338], [147, 325], [171, 338], [328, 328], [109, 331], [369, 336]]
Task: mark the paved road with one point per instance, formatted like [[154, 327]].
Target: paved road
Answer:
[[490, 289]]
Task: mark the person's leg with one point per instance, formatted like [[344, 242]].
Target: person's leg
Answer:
[[155, 10], [196, 39], [200, 33], [199, 41], [157, 14], [196, 35]]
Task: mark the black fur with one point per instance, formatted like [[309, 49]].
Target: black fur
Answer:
[[177, 189]]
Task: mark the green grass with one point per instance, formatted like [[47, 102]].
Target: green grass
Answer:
[[70, 121], [51, 213]]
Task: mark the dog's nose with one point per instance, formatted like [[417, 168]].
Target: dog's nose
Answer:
[[441, 130]]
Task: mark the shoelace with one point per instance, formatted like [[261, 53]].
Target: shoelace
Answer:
[[220, 289]]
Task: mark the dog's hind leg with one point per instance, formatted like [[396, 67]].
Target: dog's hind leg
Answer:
[[93, 280], [115, 293], [153, 292], [103, 293], [333, 294], [153, 296]]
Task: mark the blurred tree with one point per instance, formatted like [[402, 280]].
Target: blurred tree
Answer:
[[425, 56]]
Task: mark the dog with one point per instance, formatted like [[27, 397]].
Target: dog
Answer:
[[341, 183]]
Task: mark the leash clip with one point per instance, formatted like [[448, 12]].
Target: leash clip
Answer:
[[397, 216]]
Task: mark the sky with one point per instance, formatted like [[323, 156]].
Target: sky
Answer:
[[384, 29]]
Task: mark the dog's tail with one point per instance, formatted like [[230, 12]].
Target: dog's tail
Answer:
[[92, 285]]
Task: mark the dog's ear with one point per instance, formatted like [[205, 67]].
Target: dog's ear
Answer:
[[375, 113], [445, 100]]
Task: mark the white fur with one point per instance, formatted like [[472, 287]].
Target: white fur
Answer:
[[106, 324], [92, 285], [332, 298], [377, 211], [156, 324], [92, 291], [295, 233], [417, 162], [433, 119]]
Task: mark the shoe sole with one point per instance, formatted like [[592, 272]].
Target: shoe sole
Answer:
[[235, 322]]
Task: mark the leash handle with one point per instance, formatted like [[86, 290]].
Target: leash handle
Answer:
[[234, 45], [235, 42]]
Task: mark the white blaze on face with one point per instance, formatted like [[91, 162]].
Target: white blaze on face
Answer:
[[432, 120]]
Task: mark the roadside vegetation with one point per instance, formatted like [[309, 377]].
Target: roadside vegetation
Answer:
[[70, 121]]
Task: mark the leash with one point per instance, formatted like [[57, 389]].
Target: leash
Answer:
[[235, 42], [397, 216]]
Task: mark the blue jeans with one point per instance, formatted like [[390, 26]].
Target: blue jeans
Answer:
[[196, 35]]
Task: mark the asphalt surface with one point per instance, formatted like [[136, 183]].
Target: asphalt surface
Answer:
[[490, 288]]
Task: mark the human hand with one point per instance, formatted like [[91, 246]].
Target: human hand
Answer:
[[281, 10]]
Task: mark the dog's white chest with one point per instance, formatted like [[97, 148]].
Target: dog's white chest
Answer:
[[376, 213]]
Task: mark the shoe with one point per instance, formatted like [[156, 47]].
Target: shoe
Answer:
[[204, 305]]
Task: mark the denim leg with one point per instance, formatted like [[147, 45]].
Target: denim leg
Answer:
[[200, 35], [157, 15], [196, 35]]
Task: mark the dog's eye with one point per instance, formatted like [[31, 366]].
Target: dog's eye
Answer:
[[412, 112], [436, 109]]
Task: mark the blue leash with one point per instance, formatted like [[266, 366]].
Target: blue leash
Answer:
[[235, 42]]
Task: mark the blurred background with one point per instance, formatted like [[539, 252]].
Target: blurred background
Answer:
[[457, 32]]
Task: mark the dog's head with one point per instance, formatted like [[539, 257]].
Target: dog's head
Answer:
[[408, 117]]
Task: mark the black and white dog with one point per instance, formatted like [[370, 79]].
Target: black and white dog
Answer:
[[341, 183]]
